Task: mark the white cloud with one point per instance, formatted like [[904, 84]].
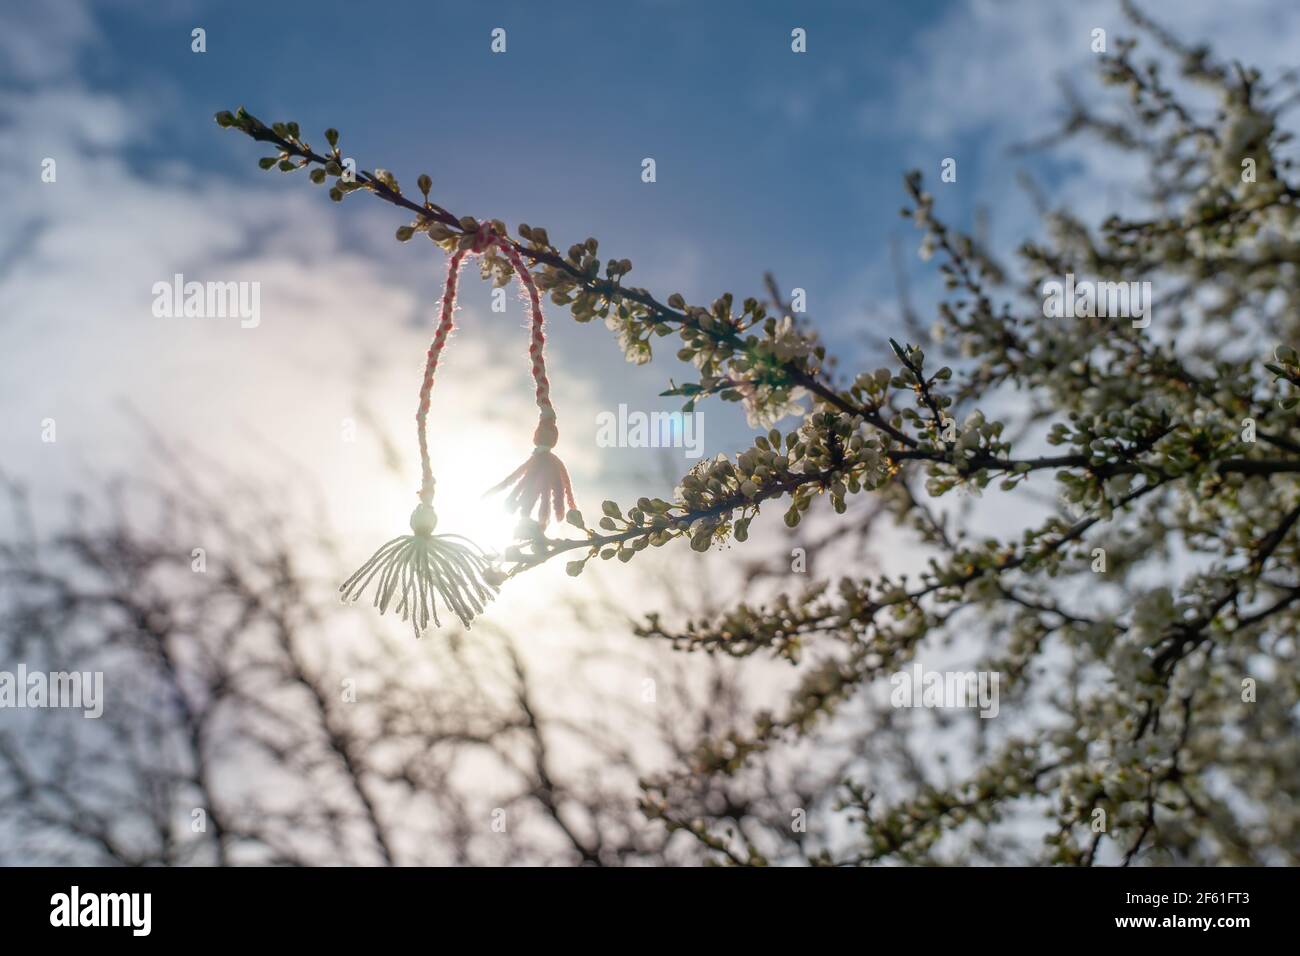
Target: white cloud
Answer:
[[996, 65], [80, 339], [41, 41]]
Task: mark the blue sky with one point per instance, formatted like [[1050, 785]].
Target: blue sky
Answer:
[[766, 159]]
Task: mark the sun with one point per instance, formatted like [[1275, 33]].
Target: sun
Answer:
[[484, 453]]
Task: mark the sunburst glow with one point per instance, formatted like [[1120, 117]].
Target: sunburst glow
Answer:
[[468, 458]]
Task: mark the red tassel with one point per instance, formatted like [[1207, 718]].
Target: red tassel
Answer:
[[542, 482]]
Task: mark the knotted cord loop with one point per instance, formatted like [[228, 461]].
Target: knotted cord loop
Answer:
[[542, 480]]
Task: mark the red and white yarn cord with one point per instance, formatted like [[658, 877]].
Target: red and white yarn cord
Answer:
[[543, 473]]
